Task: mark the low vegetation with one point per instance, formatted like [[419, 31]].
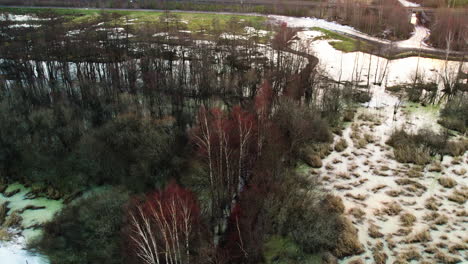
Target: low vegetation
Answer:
[[454, 115], [419, 148], [447, 182], [87, 230]]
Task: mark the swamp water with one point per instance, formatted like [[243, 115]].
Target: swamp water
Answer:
[[14, 251]]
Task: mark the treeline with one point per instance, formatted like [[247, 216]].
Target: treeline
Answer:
[[383, 18], [448, 30]]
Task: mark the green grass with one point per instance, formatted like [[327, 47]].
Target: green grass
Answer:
[[342, 42], [195, 21], [417, 107]]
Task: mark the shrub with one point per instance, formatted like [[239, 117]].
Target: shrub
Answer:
[[407, 219], [348, 241], [300, 126], [374, 231], [312, 219], [341, 145], [459, 196], [423, 236], [313, 160], [87, 230], [447, 182], [419, 147], [392, 208], [13, 220], [411, 254], [455, 114]]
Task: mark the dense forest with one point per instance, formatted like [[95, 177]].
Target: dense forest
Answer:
[[200, 142]]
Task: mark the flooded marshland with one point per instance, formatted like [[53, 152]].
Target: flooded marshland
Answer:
[[172, 64]]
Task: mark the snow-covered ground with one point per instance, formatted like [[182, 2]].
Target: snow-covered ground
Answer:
[[14, 251], [378, 191], [419, 35], [20, 18], [370, 182], [358, 66], [408, 3], [416, 41]]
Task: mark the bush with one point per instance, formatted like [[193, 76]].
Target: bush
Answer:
[[407, 219], [418, 148], [341, 145], [300, 126], [447, 182], [455, 114], [313, 220], [87, 230], [313, 160]]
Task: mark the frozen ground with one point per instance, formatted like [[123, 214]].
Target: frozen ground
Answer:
[[408, 3], [13, 251], [361, 67], [378, 192], [416, 41]]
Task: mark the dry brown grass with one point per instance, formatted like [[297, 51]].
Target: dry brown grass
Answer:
[[430, 216], [379, 256], [5, 235], [343, 175], [341, 145], [441, 220], [378, 188], [432, 204], [446, 259], [460, 172], [411, 254], [459, 196], [356, 261], [334, 203], [357, 213], [392, 209], [369, 138], [406, 181], [374, 231], [454, 249], [407, 219], [348, 241], [435, 167], [393, 193], [414, 174], [3, 212], [447, 182], [359, 197], [423, 236], [13, 220]]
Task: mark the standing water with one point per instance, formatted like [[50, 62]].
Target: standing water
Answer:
[[13, 250]]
